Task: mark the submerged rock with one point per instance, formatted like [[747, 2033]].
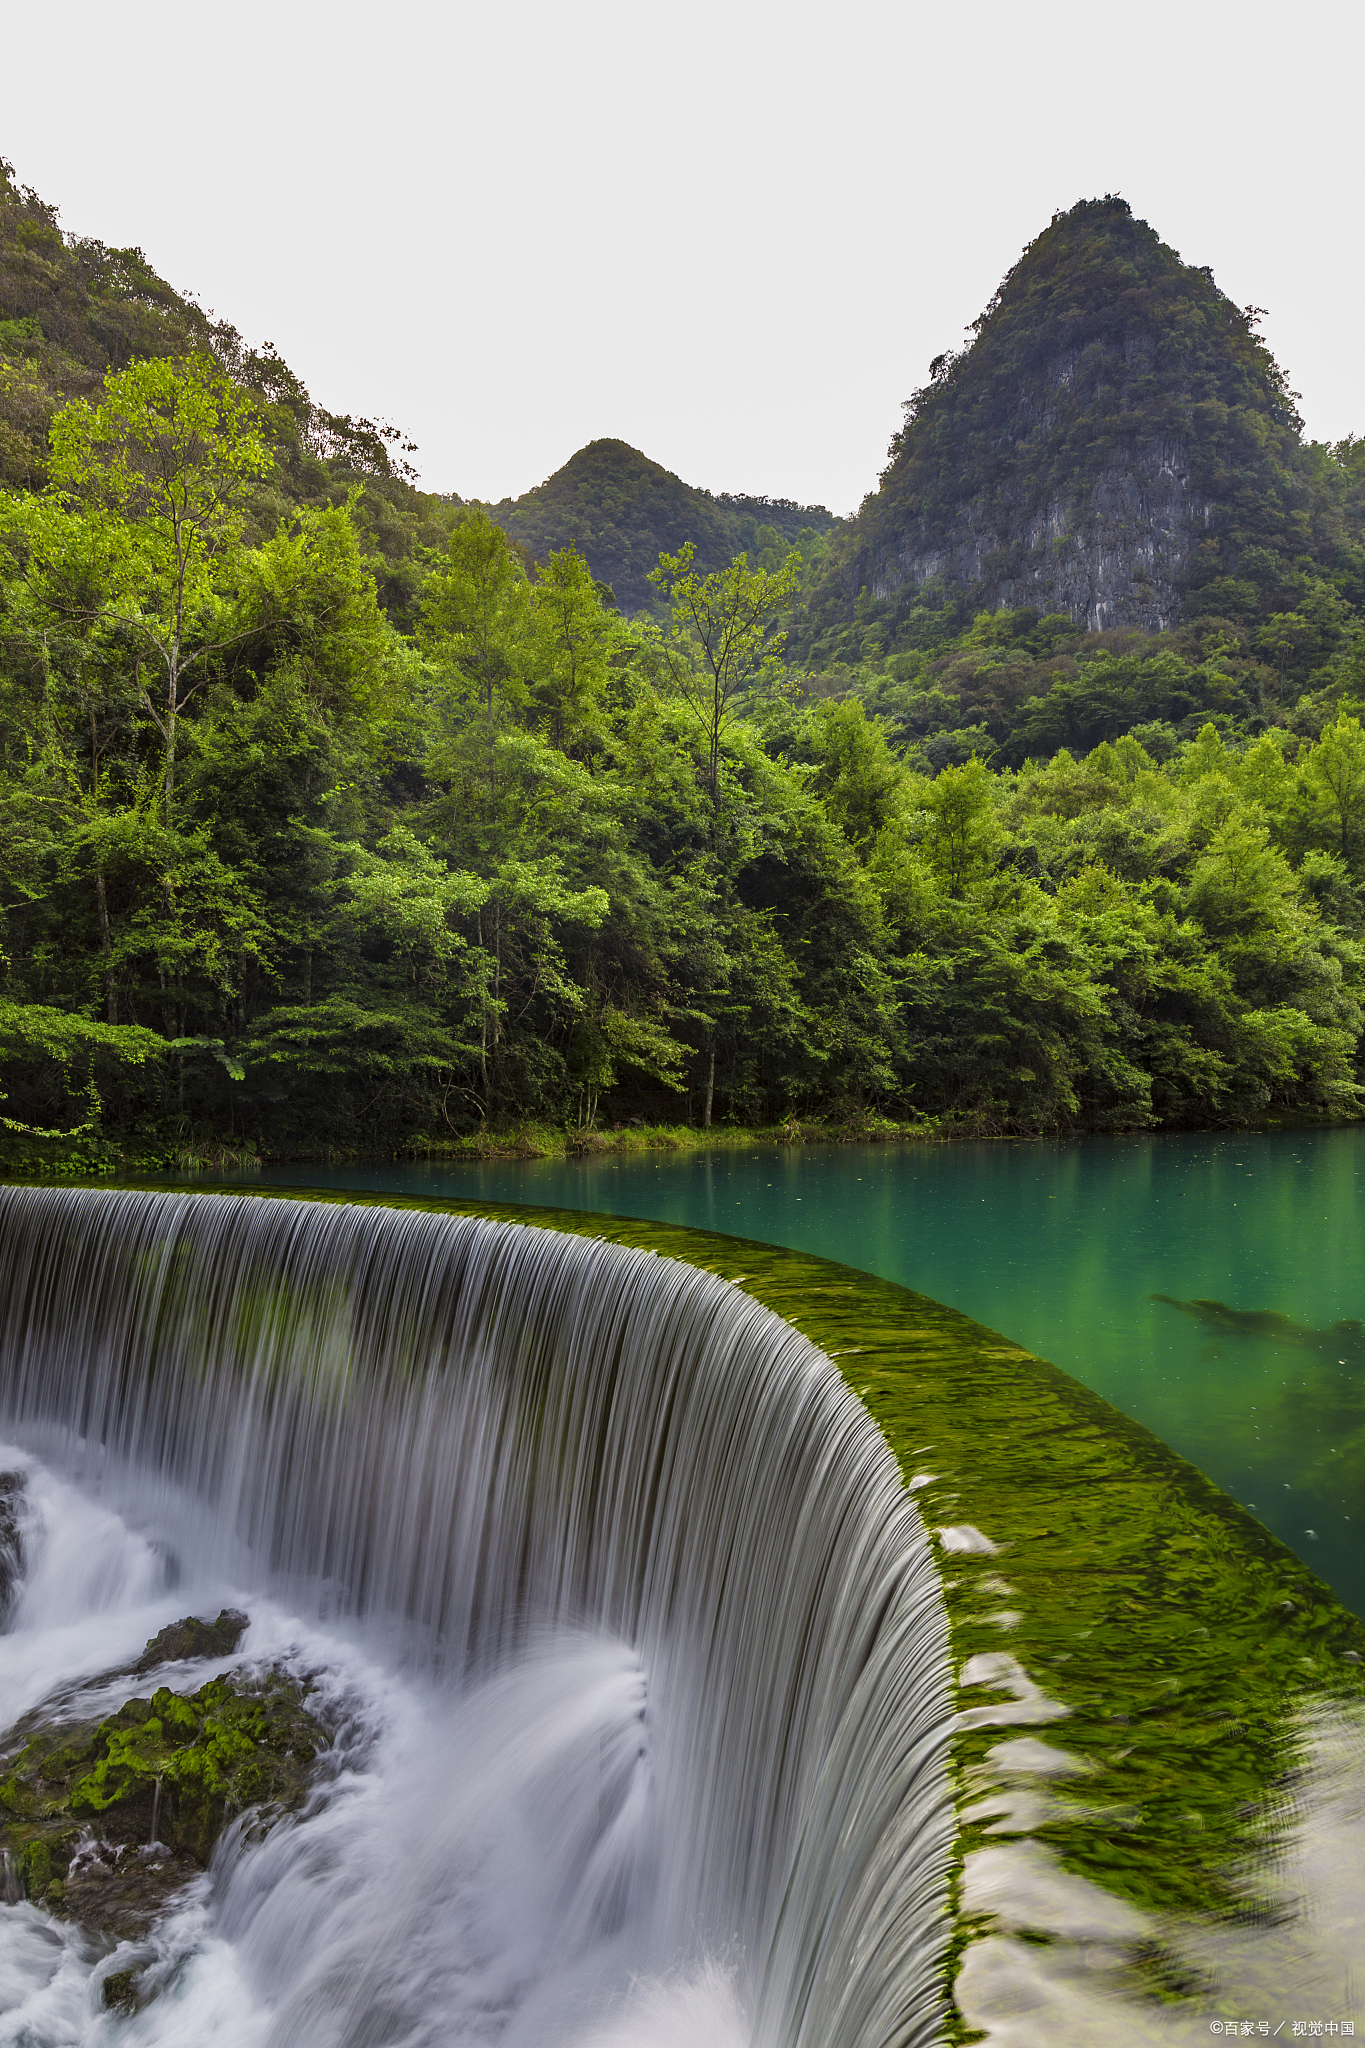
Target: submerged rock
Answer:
[[121, 1991], [103, 1820]]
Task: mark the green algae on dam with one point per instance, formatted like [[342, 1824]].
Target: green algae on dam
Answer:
[[1141, 1663], [1064, 1245]]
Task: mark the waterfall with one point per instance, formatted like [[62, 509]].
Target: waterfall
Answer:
[[664, 1653]]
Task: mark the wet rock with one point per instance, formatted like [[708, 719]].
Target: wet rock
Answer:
[[116, 1891], [183, 1640], [120, 1992], [104, 1820]]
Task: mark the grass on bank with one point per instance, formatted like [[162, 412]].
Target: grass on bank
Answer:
[[105, 1158]]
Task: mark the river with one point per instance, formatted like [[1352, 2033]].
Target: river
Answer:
[[1211, 1286]]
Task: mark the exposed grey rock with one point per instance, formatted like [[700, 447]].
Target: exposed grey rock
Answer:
[[1113, 437], [1113, 556]]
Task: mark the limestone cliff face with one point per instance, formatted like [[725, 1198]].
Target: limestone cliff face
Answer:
[[1117, 554], [1093, 451]]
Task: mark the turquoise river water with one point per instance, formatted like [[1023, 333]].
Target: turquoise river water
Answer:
[[1213, 1287]]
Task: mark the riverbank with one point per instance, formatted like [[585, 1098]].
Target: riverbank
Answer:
[[525, 1140], [110, 1158]]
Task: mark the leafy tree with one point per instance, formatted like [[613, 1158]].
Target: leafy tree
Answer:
[[1334, 779], [300, 853], [36, 1033], [1240, 882], [577, 637], [857, 774], [722, 640], [144, 516], [960, 835], [475, 612]]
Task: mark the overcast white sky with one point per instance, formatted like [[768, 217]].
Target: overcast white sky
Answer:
[[731, 234]]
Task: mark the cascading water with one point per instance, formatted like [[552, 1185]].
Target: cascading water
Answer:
[[631, 1634]]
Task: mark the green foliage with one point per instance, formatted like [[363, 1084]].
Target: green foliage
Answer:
[[721, 643], [281, 876], [72, 311], [34, 1033], [137, 538]]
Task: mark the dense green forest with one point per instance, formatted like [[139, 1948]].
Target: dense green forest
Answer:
[[334, 817]]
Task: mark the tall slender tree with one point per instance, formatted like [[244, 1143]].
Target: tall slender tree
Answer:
[[722, 639], [139, 528]]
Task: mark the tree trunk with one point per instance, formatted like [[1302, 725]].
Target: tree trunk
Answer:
[[172, 707], [107, 947], [167, 1009], [483, 1037], [497, 998], [710, 1083], [106, 942]]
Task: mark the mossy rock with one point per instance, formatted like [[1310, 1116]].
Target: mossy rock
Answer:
[[190, 1638], [120, 1992], [105, 1819]]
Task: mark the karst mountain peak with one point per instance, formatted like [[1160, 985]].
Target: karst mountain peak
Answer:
[[1112, 439]]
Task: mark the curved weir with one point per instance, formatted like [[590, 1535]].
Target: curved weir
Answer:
[[644, 1628]]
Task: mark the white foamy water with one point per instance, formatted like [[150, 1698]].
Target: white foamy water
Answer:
[[498, 1838], [628, 1632], [92, 1592]]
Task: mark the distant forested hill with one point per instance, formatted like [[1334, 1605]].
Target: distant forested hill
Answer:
[[72, 310], [622, 511], [1117, 445]]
